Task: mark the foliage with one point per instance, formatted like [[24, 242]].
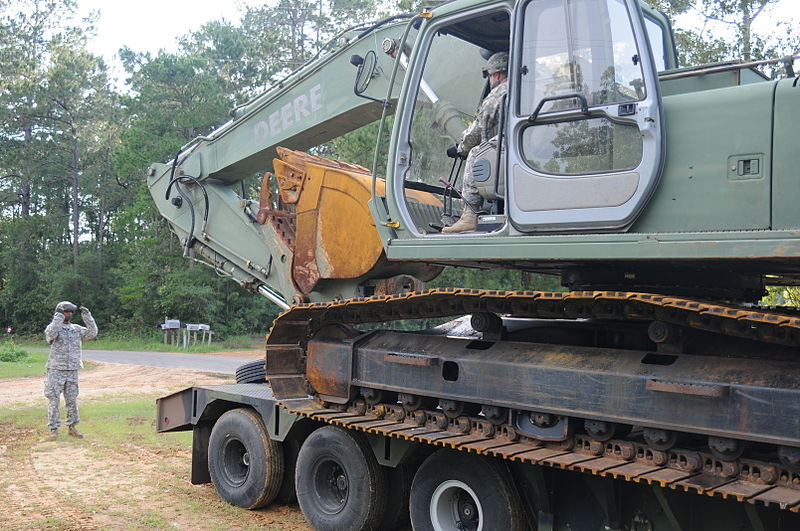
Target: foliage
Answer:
[[76, 219], [9, 352], [782, 296], [727, 31]]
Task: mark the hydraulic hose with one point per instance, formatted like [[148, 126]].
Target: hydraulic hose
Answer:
[[177, 181]]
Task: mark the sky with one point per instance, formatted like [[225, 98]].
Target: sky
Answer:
[[152, 25]]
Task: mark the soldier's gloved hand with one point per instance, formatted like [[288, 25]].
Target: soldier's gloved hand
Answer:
[[59, 317], [452, 152], [84, 310]]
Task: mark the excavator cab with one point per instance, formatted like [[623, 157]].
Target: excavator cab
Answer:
[[581, 132]]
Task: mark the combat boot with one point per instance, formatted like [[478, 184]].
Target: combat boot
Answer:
[[75, 433], [54, 434], [468, 222]]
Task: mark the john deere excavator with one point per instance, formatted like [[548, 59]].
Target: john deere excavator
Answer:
[[654, 393]]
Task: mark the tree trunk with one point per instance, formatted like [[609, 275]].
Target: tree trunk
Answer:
[[25, 193], [746, 36], [75, 212], [101, 224]]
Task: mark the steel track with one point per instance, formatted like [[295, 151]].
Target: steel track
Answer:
[[745, 480]]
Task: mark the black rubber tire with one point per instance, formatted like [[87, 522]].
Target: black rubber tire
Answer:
[[339, 484], [444, 474], [287, 494], [251, 372], [246, 466], [399, 480]]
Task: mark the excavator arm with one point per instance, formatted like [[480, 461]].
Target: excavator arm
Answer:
[[311, 236]]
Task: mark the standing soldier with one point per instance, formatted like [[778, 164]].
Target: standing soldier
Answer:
[[65, 339]]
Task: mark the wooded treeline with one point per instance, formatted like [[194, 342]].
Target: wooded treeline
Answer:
[[76, 220]]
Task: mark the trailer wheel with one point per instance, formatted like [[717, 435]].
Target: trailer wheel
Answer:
[[287, 494], [399, 481], [339, 484], [246, 466], [460, 492], [251, 372]]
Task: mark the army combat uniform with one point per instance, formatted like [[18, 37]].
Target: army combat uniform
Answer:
[[481, 130], [63, 364]]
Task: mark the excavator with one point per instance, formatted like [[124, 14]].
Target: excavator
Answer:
[[654, 393]]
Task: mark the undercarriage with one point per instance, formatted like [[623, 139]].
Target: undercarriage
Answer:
[[686, 396]]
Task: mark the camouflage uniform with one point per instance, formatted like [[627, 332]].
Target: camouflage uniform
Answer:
[[63, 364], [481, 130]]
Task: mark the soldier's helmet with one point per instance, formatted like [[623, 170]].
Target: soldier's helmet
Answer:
[[497, 63], [66, 306]]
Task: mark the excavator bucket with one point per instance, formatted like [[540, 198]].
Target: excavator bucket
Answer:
[[322, 214]]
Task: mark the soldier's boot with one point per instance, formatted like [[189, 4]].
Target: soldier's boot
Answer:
[[468, 222], [54, 434], [75, 433]]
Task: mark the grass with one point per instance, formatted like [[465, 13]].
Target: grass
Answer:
[[154, 343], [109, 423], [54, 522], [153, 520], [32, 365], [131, 420], [122, 430], [152, 491]]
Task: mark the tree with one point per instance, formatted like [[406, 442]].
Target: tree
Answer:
[[76, 100], [740, 15], [708, 44], [28, 28], [23, 288], [271, 41]]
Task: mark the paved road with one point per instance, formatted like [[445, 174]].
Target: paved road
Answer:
[[222, 364]]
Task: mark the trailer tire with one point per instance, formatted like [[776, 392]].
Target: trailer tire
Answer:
[[287, 494], [399, 481], [251, 372], [246, 466], [340, 486], [454, 491]]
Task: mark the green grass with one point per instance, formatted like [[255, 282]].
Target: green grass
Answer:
[[130, 420], [154, 521], [121, 430], [154, 344], [108, 423], [33, 365], [54, 522], [115, 429]]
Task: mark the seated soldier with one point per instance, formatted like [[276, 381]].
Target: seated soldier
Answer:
[[481, 130]]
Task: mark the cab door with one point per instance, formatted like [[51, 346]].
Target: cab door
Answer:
[[586, 130]]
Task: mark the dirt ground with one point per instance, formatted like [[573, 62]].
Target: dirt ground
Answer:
[[90, 484]]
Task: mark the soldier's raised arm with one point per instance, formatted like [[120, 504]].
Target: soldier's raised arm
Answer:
[[90, 331], [52, 330]]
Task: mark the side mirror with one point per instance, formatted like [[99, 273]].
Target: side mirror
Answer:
[[367, 67]]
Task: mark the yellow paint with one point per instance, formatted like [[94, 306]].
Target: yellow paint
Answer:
[[335, 233]]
